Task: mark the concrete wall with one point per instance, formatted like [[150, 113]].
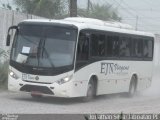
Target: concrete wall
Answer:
[[9, 18]]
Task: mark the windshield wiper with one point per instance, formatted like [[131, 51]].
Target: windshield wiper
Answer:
[[40, 50], [49, 59], [43, 49]]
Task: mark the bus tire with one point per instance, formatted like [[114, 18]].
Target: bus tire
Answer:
[[36, 96], [132, 86], [91, 90]]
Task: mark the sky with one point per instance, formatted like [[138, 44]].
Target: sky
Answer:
[[143, 15]]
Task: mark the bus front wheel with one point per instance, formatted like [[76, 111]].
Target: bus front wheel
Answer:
[[91, 91]]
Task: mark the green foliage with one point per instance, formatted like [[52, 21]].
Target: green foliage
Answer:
[[3, 74], [44, 8], [3, 69], [58, 9], [103, 12], [7, 6]]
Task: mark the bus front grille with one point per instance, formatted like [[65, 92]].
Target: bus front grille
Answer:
[[41, 89]]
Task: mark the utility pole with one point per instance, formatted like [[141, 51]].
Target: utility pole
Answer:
[[137, 22], [73, 8], [88, 6]]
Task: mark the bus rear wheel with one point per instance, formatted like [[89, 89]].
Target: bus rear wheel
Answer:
[[132, 87], [91, 91]]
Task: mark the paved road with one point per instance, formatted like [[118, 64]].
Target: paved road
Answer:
[[146, 102], [23, 103]]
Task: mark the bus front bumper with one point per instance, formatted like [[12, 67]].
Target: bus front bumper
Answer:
[[53, 89]]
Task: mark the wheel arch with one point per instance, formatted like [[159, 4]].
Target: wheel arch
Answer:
[[94, 77]]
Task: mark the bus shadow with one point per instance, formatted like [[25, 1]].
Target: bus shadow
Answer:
[[111, 96], [51, 100], [69, 101]]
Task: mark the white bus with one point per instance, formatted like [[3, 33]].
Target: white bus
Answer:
[[79, 57]]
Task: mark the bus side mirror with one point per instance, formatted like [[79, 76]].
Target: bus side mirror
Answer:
[[8, 40]]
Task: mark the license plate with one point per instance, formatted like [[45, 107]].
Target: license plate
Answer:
[[27, 77], [36, 93]]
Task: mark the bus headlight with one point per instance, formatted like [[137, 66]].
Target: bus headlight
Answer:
[[64, 80], [13, 75]]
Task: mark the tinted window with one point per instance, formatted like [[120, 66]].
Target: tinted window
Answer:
[[98, 45], [147, 48], [112, 46], [94, 45], [125, 47], [83, 47], [137, 47], [101, 45]]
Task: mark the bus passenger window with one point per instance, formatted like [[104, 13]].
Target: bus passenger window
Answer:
[[112, 46], [147, 49], [138, 44], [98, 45], [125, 47], [101, 45], [83, 47], [94, 45]]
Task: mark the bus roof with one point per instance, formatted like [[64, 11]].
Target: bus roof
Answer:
[[89, 23]]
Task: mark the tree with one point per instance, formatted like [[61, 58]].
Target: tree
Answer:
[[4, 63], [44, 8], [103, 12], [7, 6], [73, 8], [60, 9]]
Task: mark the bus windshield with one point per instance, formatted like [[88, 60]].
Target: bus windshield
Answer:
[[44, 46]]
